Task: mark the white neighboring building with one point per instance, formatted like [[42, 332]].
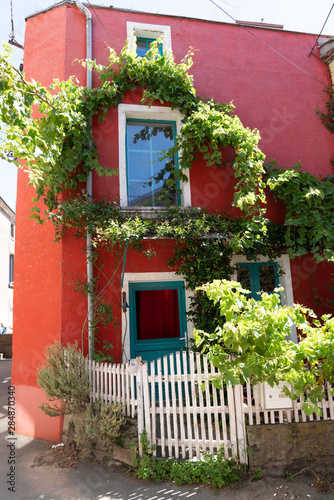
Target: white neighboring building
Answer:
[[7, 235]]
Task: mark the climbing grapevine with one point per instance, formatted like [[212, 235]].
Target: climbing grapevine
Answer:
[[49, 129]]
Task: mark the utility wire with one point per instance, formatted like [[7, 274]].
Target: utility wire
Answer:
[[267, 45], [321, 29], [105, 29]]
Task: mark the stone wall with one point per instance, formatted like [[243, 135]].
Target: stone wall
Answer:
[[118, 449], [294, 446], [6, 345]]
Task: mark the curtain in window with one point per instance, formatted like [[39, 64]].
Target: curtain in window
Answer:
[[157, 314]]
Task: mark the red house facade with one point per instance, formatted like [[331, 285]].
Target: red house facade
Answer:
[[277, 95]]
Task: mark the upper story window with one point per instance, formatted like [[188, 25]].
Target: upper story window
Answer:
[[145, 34], [143, 133], [143, 46], [11, 270], [148, 178], [258, 277], [12, 230], [264, 276]]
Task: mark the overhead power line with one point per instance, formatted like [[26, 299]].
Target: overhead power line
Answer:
[[267, 45], [105, 29]]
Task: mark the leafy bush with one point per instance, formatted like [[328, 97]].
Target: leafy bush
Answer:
[[308, 203], [104, 421], [252, 343], [213, 471], [64, 378]]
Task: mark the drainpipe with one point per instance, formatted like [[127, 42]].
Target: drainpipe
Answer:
[[89, 188]]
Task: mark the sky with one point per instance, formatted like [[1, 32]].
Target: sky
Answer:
[[296, 15]]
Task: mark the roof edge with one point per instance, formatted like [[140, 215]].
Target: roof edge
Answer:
[[6, 208], [250, 24]]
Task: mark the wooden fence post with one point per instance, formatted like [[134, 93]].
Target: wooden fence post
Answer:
[[140, 404], [240, 423], [146, 402]]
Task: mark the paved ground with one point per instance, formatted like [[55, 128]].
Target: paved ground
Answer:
[[36, 480]]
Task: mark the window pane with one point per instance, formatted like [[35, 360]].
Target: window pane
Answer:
[[267, 278], [157, 314], [11, 268], [162, 137], [147, 177], [243, 276], [141, 48], [143, 45], [138, 136]]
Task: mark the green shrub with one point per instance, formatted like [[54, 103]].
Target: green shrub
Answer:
[[104, 421], [64, 379], [211, 470]]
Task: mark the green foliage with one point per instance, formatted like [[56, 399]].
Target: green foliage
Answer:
[[104, 421], [252, 343], [104, 355], [214, 471], [204, 244], [308, 204], [328, 118], [288, 475], [50, 128], [258, 474], [64, 379]]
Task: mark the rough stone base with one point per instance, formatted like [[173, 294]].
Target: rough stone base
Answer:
[[117, 450], [122, 455], [275, 448]]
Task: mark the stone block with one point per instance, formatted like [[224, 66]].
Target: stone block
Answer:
[[122, 455]]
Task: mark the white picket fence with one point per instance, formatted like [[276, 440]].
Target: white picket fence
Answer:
[[113, 383], [183, 412]]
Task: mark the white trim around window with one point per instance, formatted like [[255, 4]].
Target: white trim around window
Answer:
[[285, 281], [148, 278], [154, 31], [141, 112]]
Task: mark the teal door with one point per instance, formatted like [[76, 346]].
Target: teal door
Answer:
[[158, 324]]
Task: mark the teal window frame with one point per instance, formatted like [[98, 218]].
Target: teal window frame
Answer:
[[148, 42], [156, 285], [254, 275], [127, 150]]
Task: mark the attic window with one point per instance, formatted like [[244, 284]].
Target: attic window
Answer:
[[146, 34], [144, 44]]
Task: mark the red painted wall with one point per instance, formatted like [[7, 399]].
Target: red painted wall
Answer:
[[42, 292], [269, 94]]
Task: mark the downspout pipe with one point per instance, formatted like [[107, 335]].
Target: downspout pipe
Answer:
[[89, 189]]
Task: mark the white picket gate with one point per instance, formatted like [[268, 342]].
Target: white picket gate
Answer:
[[183, 412]]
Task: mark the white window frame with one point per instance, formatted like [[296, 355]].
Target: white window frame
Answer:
[[149, 278], [146, 113], [285, 281], [154, 31]]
